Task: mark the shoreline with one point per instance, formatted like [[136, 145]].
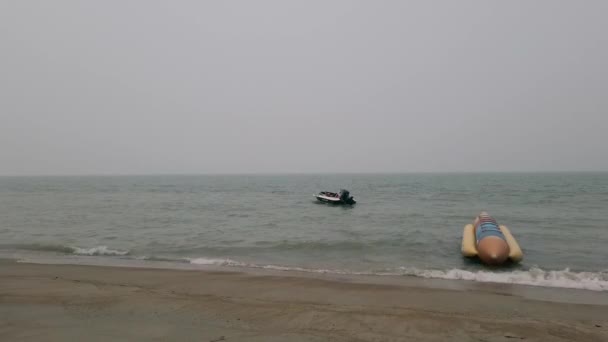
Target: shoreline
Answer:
[[61, 302], [563, 279]]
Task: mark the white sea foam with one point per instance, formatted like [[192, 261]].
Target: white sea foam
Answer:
[[230, 262], [596, 281], [98, 250], [218, 262]]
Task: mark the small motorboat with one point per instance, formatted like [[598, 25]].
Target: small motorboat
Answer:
[[343, 197]]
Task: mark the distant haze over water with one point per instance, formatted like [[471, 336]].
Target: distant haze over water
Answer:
[[272, 86]]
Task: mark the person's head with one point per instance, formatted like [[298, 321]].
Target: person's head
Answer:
[[478, 217]]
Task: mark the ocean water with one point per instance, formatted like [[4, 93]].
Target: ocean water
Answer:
[[403, 224]]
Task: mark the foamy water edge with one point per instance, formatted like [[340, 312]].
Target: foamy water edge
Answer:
[[535, 276], [594, 281]]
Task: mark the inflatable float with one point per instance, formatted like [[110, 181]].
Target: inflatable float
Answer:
[[492, 243]]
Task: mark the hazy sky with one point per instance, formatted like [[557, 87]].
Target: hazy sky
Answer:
[[302, 86]]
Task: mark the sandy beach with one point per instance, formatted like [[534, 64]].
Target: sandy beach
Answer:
[[98, 303]]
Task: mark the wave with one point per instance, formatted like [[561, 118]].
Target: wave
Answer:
[[97, 250], [217, 262], [44, 248], [535, 276], [230, 262], [595, 281]]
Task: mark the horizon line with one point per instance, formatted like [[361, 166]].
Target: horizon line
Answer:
[[296, 173]]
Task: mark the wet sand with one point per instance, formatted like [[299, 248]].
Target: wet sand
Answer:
[[98, 303]]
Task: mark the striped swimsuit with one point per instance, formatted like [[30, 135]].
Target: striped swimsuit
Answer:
[[487, 226]]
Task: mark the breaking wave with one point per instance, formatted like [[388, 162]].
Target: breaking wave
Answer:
[[595, 281], [97, 250], [217, 262], [535, 276]]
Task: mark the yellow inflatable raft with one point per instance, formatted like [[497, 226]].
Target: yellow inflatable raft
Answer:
[[469, 245]]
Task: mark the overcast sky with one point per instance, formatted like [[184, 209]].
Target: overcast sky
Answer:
[[137, 87]]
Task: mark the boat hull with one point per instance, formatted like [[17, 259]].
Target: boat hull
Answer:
[[335, 201]]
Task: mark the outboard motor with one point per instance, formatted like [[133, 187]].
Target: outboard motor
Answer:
[[345, 197]]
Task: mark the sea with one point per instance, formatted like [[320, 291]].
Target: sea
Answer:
[[403, 225]]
